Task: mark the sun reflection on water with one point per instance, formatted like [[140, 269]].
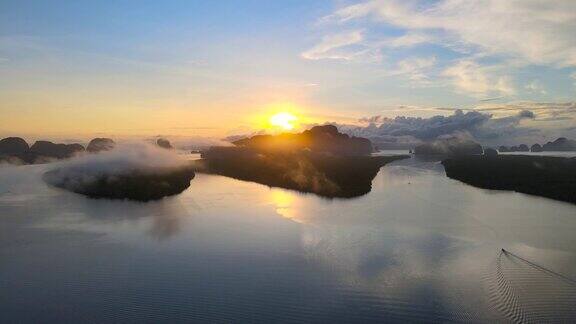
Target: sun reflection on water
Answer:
[[286, 205]]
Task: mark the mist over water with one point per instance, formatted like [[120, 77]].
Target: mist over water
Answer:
[[418, 247]]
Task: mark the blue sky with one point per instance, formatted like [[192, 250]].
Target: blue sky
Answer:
[[214, 64]]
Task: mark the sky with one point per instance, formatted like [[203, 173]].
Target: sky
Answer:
[[215, 68]]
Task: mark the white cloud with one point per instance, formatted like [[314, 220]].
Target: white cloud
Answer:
[[546, 111], [408, 40], [491, 40], [471, 78], [339, 47], [352, 45], [537, 32], [415, 69], [352, 12], [536, 86], [493, 124]]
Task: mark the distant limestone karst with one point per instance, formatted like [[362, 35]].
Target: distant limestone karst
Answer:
[[15, 150], [561, 144], [523, 148], [164, 143], [57, 151], [13, 145], [100, 144], [449, 147], [536, 148], [325, 139]]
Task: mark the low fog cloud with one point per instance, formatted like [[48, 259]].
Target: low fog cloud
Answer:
[[191, 142], [126, 157], [123, 159]]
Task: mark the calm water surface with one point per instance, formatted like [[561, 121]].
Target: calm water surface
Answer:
[[419, 247]]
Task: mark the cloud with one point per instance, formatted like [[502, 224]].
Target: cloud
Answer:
[[407, 40], [536, 87], [353, 45], [546, 111], [471, 78], [340, 47], [492, 99], [352, 12], [480, 44], [192, 142], [415, 69], [425, 128], [524, 122], [536, 32], [123, 159]]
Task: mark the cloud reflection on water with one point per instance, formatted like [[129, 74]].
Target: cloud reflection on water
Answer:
[[418, 245]]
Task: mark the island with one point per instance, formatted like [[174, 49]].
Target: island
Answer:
[[100, 144], [138, 184], [13, 145], [545, 176], [164, 143], [561, 144], [448, 147], [15, 150], [321, 160], [56, 151]]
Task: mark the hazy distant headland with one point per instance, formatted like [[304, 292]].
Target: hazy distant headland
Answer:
[[320, 160], [545, 176]]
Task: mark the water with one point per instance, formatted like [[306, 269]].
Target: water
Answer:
[[419, 247], [391, 152], [559, 154]]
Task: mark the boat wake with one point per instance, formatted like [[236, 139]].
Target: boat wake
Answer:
[[526, 292]]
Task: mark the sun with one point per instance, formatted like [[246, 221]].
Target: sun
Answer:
[[284, 120]]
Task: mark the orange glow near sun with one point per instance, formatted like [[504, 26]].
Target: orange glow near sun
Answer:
[[283, 120]]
